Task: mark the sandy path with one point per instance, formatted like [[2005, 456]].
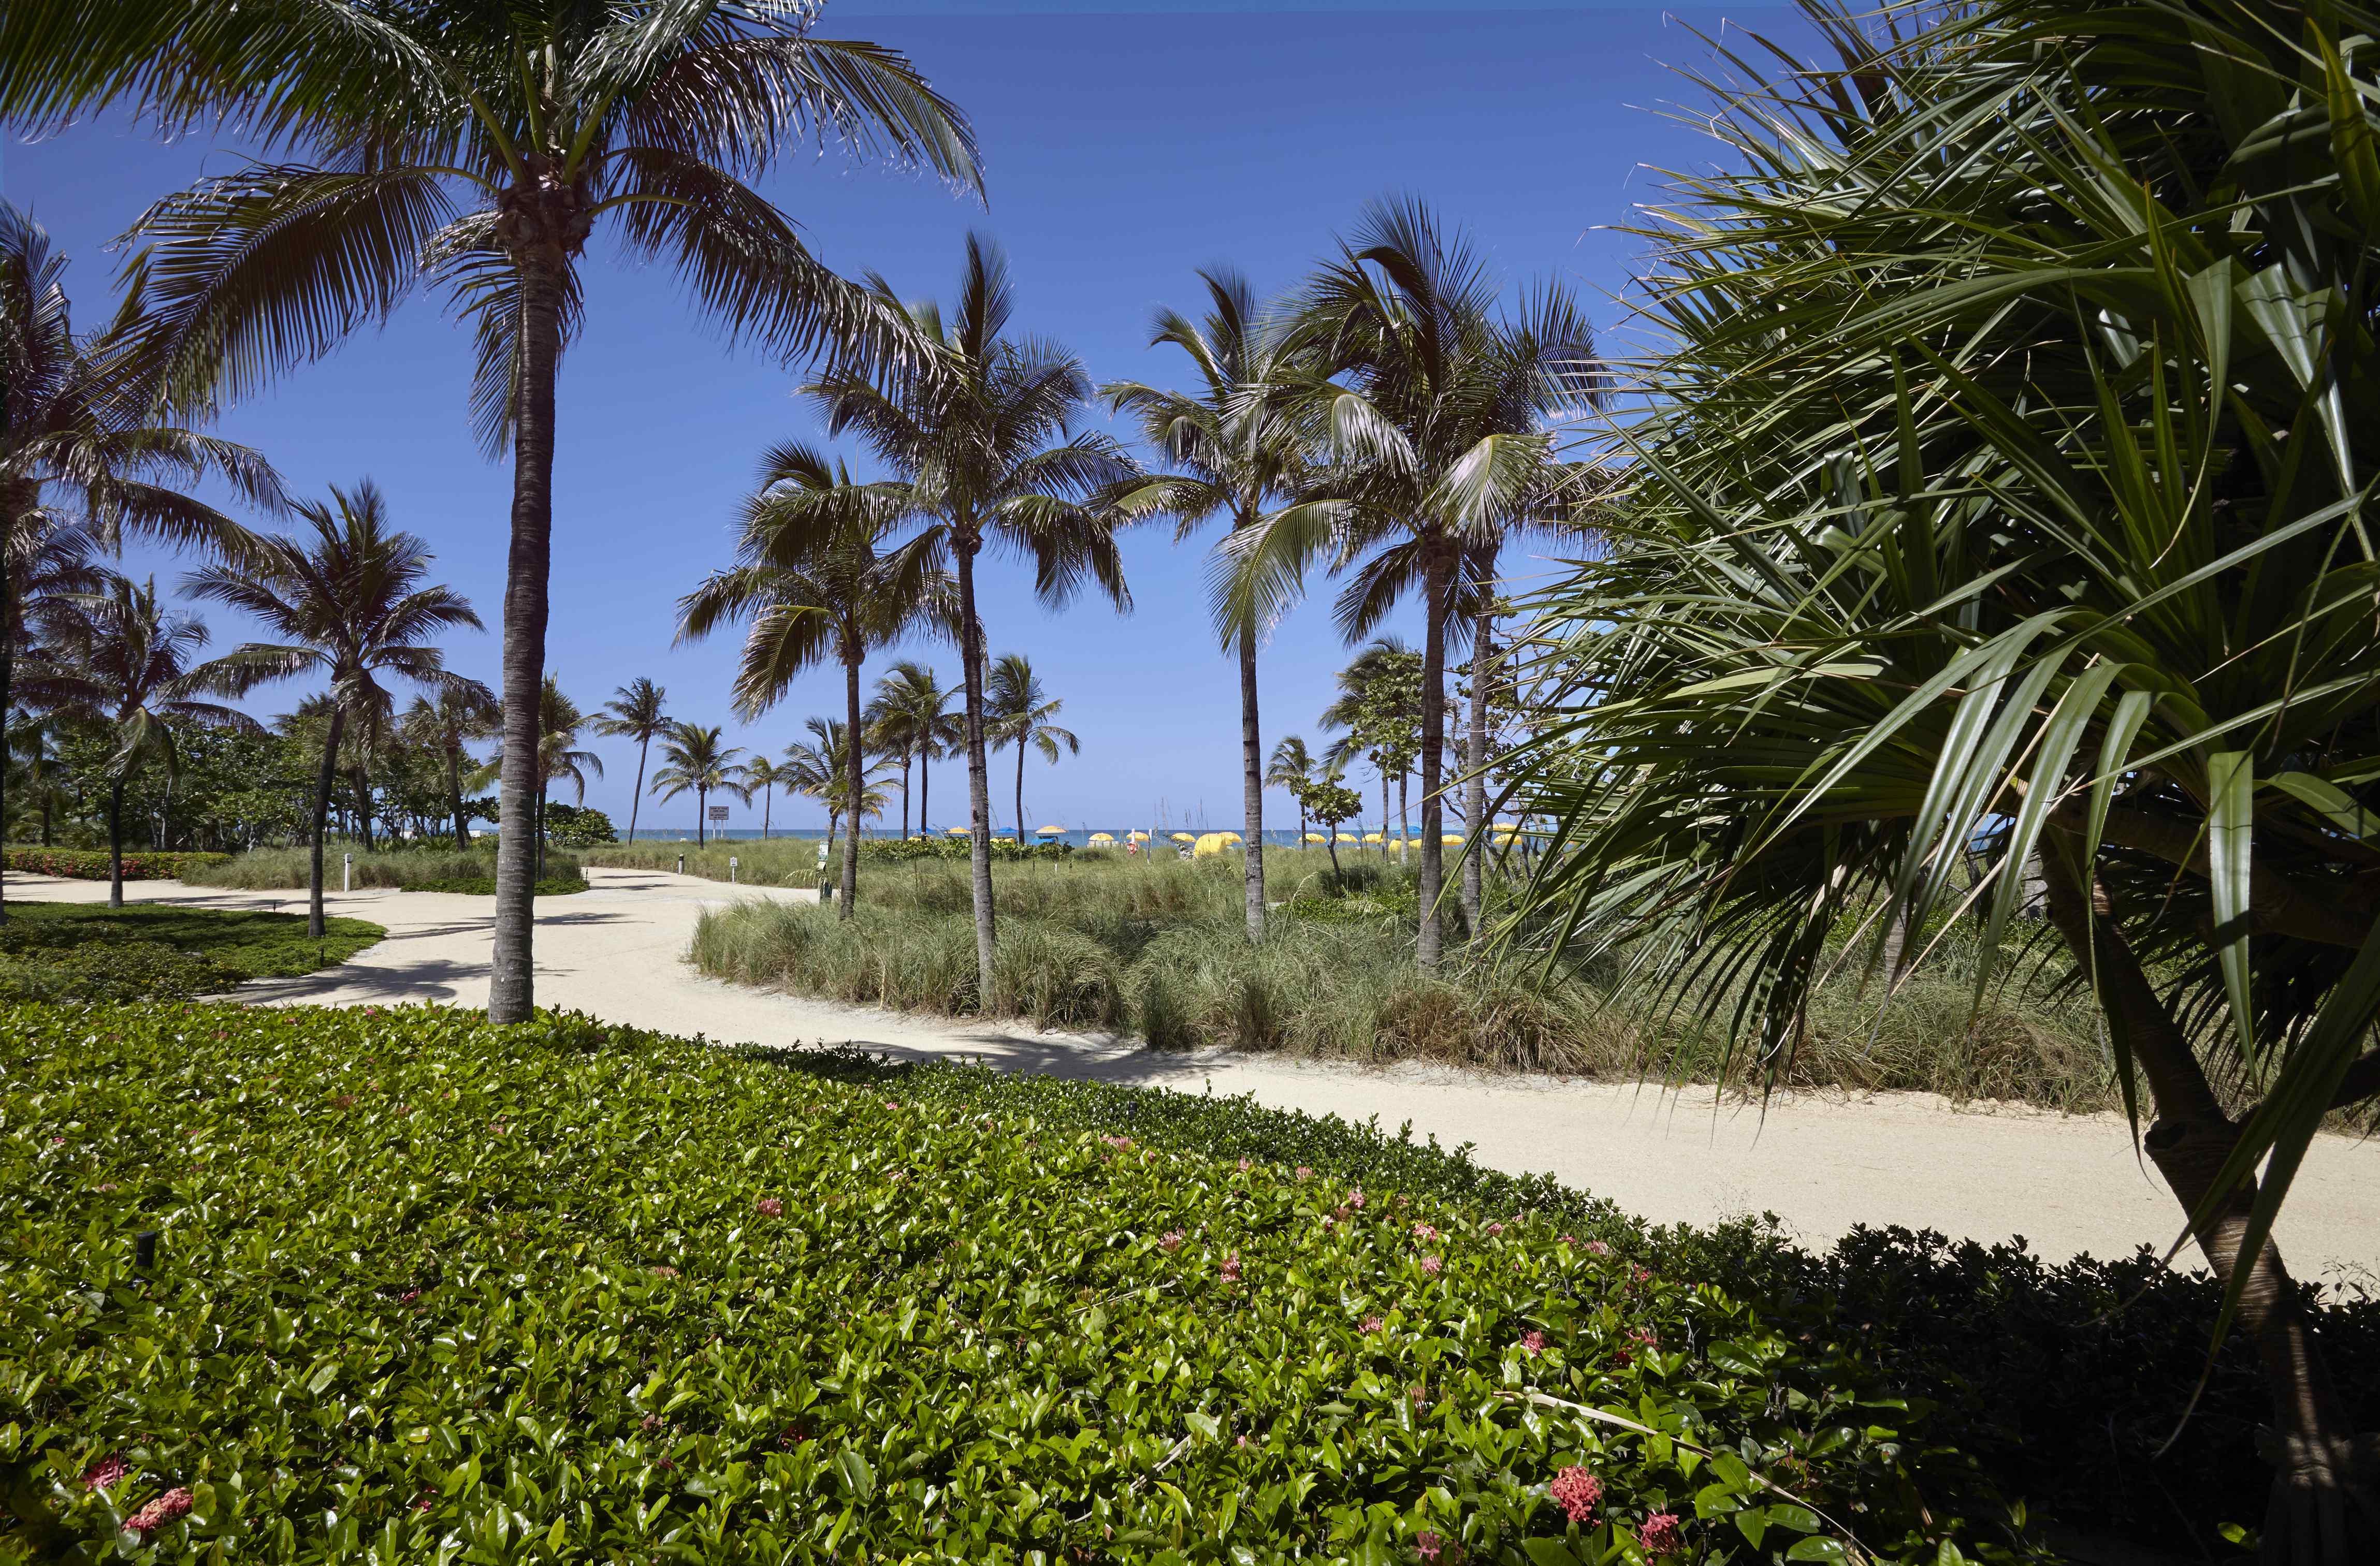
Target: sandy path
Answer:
[[2067, 1183]]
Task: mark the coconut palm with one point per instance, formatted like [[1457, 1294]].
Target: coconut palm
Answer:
[[82, 464], [1378, 707], [910, 717], [1432, 410], [822, 573], [635, 711], [1987, 521], [1018, 712], [1291, 768], [697, 761], [478, 147], [1238, 457], [447, 724], [987, 446], [347, 603], [121, 660], [824, 768], [762, 776], [559, 721]]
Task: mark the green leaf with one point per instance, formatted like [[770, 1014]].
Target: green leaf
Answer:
[[1820, 1549]]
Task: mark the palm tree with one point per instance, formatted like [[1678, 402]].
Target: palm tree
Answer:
[[1378, 706], [67, 430], [559, 720], [696, 761], [1432, 410], [1239, 459], [1018, 712], [910, 717], [447, 724], [762, 776], [123, 661], [635, 713], [1290, 768], [987, 446], [1983, 525], [479, 147], [346, 604], [821, 573], [825, 767]]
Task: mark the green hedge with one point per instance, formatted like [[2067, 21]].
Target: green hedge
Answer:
[[425, 1288], [90, 864], [907, 850]]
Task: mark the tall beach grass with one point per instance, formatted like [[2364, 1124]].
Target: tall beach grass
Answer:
[[411, 870]]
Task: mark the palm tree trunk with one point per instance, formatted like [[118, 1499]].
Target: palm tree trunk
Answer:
[[2320, 1465], [701, 816], [512, 992], [768, 798], [455, 792], [638, 798], [1404, 813], [1252, 786], [13, 505], [908, 760], [978, 775], [851, 776], [925, 790], [1020, 791], [1474, 760], [323, 782], [115, 842], [541, 833], [1384, 811], [1433, 755]]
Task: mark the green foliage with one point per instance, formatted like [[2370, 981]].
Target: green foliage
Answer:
[[92, 863], [948, 848], [420, 1279], [780, 861], [88, 952], [576, 826], [427, 868]]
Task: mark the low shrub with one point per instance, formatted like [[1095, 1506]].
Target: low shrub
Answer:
[[82, 951], [409, 869], [1004, 850], [88, 864], [424, 1287]]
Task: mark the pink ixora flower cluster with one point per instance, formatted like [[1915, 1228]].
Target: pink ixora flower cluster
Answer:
[[1247, 1165], [105, 1472], [772, 1207], [1495, 1232], [1429, 1546], [1577, 1492], [1172, 1240], [1117, 1142], [1432, 1265], [1532, 1344], [1661, 1535], [175, 1503], [1371, 1323], [1230, 1267], [1424, 1231], [1305, 1172]]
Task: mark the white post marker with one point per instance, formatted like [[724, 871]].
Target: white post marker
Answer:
[[731, 869], [347, 872]]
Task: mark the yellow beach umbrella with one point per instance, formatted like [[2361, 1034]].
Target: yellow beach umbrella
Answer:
[[1102, 837], [1452, 839], [1318, 837], [957, 832], [1209, 845], [1184, 837], [1049, 832], [1349, 837], [1374, 837], [1136, 836]]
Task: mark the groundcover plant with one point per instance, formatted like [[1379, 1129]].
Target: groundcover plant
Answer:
[[422, 1288]]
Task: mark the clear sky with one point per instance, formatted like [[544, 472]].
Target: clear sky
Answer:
[[1124, 145]]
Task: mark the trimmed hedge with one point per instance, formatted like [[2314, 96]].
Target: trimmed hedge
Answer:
[[908, 850], [428, 1289], [90, 864]]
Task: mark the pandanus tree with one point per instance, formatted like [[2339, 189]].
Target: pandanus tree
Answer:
[[83, 460], [1432, 407], [637, 711], [987, 446], [697, 759], [823, 573], [2006, 502], [119, 658], [447, 724], [346, 604], [1022, 713], [478, 147], [1238, 457], [910, 717]]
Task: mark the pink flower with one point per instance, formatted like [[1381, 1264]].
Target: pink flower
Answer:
[[772, 1207], [1305, 1172], [662, 1271], [1171, 1241], [1243, 1442], [1424, 1231], [1577, 1492], [1371, 1323], [1117, 1141], [1643, 1275], [1432, 1265], [1495, 1232], [1231, 1268], [1598, 1247], [1567, 1240], [1660, 1535], [1533, 1343], [1647, 1336], [105, 1472], [1355, 1198], [1421, 1397], [422, 1504], [1427, 1545], [1245, 1166], [892, 1103], [174, 1503]]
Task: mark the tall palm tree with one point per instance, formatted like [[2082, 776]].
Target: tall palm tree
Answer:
[[1292, 767], [822, 573], [70, 433], [988, 449], [1238, 457], [447, 724], [635, 711], [1019, 712], [345, 603], [559, 720], [122, 659], [762, 776], [910, 717], [1378, 706], [825, 767], [1433, 410], [697, 761], [479, 147]]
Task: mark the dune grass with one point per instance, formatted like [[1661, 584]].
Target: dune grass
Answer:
[[411, 870], [1156, 948], [778, 861]]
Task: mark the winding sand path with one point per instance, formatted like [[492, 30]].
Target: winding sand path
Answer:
[[2068, 1183]]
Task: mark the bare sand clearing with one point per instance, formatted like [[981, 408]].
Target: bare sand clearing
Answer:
[[2068, 1183]]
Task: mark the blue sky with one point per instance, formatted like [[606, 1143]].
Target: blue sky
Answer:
[[1124, 146]]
